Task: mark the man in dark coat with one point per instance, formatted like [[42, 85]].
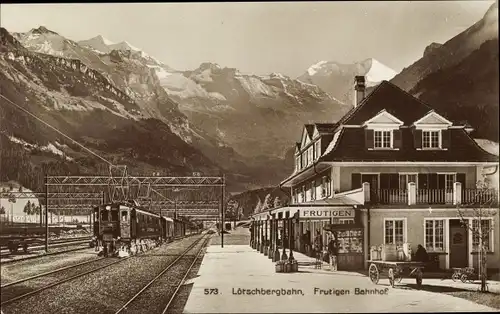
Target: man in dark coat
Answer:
[[421, 254]]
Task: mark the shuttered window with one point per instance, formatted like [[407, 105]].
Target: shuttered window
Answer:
[[431, 139], [382, 139]]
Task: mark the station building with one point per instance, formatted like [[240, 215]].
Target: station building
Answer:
[[391, 171]]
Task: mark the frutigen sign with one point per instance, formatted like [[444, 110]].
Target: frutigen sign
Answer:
[[326, 213]]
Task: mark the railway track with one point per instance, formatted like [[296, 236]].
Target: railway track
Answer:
[[162, 287], [18, 290], [41, 244], [12, 294], [80, 243]]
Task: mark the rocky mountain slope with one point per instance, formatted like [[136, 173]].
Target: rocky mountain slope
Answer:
[[460, 77], [256, 115], [87, 106], [451, 52], [243, 123], [337, 79]]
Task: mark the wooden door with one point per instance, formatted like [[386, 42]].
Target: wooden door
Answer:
[[458, 247]]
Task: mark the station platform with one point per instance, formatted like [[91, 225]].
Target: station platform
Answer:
[[239, 279]]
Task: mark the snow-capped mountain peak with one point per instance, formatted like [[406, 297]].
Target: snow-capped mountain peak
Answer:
[[313, 69], [98, 43], [377, 71], [104, 40], [337, 78], [42, 30], [124, 45]]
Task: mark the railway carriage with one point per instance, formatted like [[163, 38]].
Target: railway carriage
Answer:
[[125, 228]]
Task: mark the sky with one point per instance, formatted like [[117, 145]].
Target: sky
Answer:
[[259, 38]]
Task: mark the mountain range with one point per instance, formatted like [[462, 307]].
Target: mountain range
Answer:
[[134, 109], [460, 77], [337, 79]]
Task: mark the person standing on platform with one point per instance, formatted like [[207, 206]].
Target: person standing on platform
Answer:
[[333, 249], [318, 246], [307, 242]]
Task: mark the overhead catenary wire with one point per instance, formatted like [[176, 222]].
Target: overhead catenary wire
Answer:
[[55, 129], [69, 138]]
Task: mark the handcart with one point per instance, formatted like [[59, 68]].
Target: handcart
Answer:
[[396, 270]]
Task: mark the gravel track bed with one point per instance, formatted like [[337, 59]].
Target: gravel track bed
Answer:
[[30, 267], [40, 282], [156, 296], [41, 253], [180, 300], [104, 291]]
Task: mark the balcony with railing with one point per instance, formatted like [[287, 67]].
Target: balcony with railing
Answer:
[[412, 196]]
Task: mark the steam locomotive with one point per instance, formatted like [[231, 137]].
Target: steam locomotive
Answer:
[[125, 228]]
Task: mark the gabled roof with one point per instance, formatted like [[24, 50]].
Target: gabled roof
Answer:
[[310, 129], [462, 149], [385, 118], [391, 98], [433, 117], [326, 128]]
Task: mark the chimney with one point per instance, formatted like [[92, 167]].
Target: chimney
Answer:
[[359, 87]]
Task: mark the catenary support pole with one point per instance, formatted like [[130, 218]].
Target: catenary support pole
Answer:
[[46, 215], [223, 227]]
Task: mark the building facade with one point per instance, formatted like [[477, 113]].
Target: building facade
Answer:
[[393, 171]]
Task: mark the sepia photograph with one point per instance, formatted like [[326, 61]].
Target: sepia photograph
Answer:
[[249, 157]]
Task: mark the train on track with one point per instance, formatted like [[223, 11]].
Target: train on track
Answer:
[[125, 228]]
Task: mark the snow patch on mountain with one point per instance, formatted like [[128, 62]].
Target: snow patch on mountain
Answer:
[[313, 69], [378, 72], [124, 45], [47, 148], [254, 86]]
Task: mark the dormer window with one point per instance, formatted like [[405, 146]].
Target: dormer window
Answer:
[[383, 131], [431, 139], [310, 156], [382, 139]]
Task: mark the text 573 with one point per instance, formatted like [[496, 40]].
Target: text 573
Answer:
[[212, 291]]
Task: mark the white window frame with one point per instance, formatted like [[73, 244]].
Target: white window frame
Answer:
[[430, 131], [491, 248], [405, 227], [317, 149], [391, 138], [408, 174], [454, 174], [434, 235], [310, 155]]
